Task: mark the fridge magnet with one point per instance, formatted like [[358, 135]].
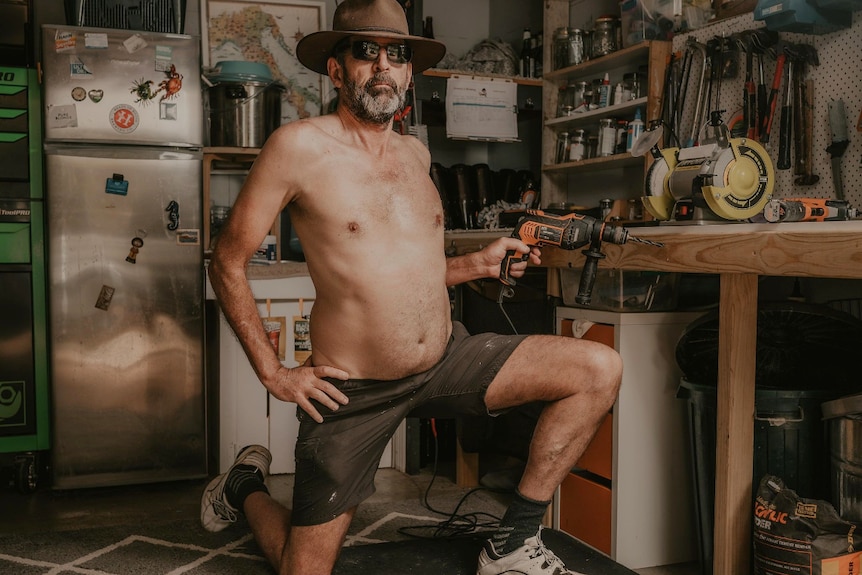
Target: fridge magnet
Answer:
[[124, 119], [171, 85], [167, 111], [96, 95], [173, 210], [117, 184], [189, 237], [134, 43], [65, 116], [78, 93], [266, 32], [105, 296], [143, 90], [164, 56], [78, 70], [98, 41], [64, 41], [137, 244]]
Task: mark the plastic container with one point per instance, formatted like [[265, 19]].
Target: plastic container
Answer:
[[844, 418], [623, 291], [789, 442]]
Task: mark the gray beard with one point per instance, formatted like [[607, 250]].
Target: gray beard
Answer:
[[372, 104]]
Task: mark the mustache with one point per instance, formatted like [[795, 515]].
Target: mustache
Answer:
[[378, 79]]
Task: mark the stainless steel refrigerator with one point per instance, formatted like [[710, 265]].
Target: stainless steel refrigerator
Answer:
[[123, 136]]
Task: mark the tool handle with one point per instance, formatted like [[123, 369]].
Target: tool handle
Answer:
[[506, 265], [588, 275], [784, 139], [773, 98], [761, 109], [751, 109]]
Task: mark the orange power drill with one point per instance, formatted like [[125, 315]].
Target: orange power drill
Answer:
[[568, 232]]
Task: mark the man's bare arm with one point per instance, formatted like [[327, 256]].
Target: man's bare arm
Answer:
[[486, 263]]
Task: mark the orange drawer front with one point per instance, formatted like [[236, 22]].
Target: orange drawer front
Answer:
[[585, 511], [599, 332], [597, 457]]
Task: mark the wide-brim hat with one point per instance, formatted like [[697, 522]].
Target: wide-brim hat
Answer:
[[372, 18]]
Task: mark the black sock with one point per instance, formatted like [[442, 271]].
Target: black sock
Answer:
[[521, 521], [242, 481]]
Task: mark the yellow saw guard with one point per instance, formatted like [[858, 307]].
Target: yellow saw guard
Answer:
[[658, 201], [741, 181]]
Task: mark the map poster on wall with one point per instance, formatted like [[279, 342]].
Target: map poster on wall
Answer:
[[267, 32]]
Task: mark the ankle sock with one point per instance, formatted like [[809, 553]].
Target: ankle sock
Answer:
[[521, 521], [242, 481]]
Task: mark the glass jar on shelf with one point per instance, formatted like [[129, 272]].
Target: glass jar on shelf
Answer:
[[561, 153], [605, 36]]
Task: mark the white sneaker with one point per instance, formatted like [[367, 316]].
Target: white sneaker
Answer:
[[216, 512], [533, 558]]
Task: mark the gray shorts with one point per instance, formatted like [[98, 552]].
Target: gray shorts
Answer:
[[336, 460]]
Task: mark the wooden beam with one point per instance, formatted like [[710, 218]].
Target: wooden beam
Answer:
[[737, 341]]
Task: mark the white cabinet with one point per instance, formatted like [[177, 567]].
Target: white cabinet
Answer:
[[247, 413], [632, 495]]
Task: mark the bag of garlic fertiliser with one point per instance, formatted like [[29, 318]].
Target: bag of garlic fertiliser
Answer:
[[798, 536]]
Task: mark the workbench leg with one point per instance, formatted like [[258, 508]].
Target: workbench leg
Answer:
[[735, 424], [466, 467]]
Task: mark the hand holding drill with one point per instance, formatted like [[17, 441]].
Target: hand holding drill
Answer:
[[567, 232]]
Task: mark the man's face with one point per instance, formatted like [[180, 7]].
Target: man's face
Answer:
[[374, 90]]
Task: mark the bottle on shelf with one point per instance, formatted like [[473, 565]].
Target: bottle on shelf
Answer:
[[605, 92], [635, 129], [538, 56], [428, 27], [524, 64]]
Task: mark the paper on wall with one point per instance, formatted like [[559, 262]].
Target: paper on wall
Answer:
[[481, 109]]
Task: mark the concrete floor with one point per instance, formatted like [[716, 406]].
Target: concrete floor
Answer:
[[78, 509]]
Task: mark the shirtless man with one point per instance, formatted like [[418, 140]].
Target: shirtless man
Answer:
[[383, 344]]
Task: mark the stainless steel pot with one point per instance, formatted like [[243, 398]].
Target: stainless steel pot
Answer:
[[845, 448], [243, 114]]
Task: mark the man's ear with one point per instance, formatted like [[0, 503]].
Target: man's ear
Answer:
[[335, 71]]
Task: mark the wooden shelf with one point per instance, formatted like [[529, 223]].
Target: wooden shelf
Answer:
[[591, 117], [595, 164], [227, 161], [631, 56], [440, 73]]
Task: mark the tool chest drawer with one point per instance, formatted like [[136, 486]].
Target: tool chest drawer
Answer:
[[14, 243], [14, 156], [14, 120], [13, 97]]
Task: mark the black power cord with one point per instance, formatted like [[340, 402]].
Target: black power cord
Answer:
[[455, 524]]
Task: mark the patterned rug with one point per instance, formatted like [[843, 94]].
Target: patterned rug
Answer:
[[182, 547]]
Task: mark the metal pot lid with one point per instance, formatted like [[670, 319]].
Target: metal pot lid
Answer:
[[850, 405]]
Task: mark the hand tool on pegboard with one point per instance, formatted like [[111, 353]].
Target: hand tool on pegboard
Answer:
[[785, 123], [840, 141], [803, 117], [772, 100], [698, 50]]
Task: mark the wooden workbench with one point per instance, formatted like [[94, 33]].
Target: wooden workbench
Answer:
[[739, 253]]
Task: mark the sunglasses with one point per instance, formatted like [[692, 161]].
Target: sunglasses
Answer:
[[369, 51]]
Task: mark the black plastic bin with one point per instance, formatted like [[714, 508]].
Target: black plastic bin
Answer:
[[789, 441]]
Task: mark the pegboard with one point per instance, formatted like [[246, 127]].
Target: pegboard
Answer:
[[838, 76]]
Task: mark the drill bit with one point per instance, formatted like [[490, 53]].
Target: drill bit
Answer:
[[647, 242]]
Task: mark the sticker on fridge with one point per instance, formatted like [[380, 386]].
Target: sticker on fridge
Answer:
[[64, 41], [65, 116], [78, 70], [94, 40], [124, 118]]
